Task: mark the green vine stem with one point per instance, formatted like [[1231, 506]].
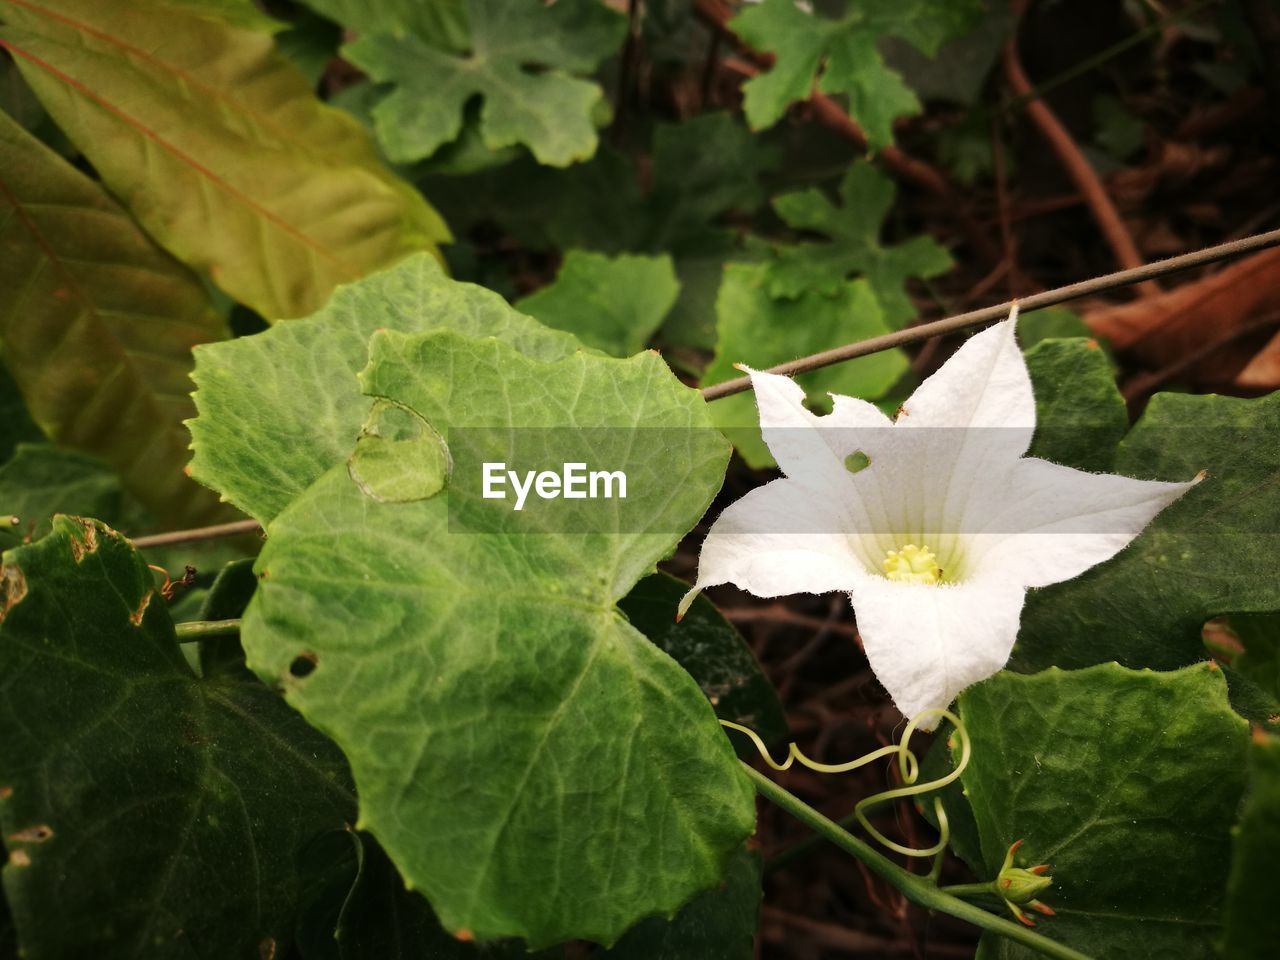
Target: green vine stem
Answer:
[[204, 629], [917, 889], [971, 890]]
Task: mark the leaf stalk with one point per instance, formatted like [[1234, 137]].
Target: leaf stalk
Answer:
[[205, 629]]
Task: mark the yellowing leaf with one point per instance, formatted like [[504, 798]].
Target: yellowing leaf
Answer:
[[217, 146], [98, 325]]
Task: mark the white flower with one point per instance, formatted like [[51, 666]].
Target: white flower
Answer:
[[938, 537]]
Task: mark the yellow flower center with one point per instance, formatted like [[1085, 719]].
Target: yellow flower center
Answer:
[[912, 564]]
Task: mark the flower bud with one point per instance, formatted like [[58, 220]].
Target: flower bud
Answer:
[[1020, 887]]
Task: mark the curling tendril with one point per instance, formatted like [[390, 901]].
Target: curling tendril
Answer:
[[908, 766]]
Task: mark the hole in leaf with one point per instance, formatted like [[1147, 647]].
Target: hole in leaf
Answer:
[[304, 664], [857, 461], [819, 404]]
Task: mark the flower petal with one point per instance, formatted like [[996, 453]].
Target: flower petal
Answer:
[[926, 643], [1057, 522], [775, 541], [966, 424], [813, 452], [984, 386], [806, 445]]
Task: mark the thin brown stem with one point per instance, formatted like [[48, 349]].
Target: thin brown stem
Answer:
[[235, 528], [976, 318], [1074, 162]]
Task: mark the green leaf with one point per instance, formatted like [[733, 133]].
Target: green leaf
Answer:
[[611, 304], [711, 650], [278, 409], [40, 480], [146, 812], [218, 147], [958, 70], [760, 331], [1126, 784], [1080, 415], [717, 925], [1050, 323], [98, 325], [437, 636], [522, 60], [443, 21], [866, 197], [1249, 914], [1147, 606], [843, 55], [597, 205], [701, 169]]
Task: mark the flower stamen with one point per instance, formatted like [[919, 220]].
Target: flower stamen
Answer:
[[912, 564]]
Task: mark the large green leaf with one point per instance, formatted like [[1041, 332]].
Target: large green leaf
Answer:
[[280, 408], [1080, 414], [1200, 558], [40, 480], [717, 925], [758, 330], [843, 55], [611, 303], [866, 197], [522, 60], [1250, 916], [711, 650], [1126, 783], [444, 635], [218, 147], [145, 812], [98, 324]]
